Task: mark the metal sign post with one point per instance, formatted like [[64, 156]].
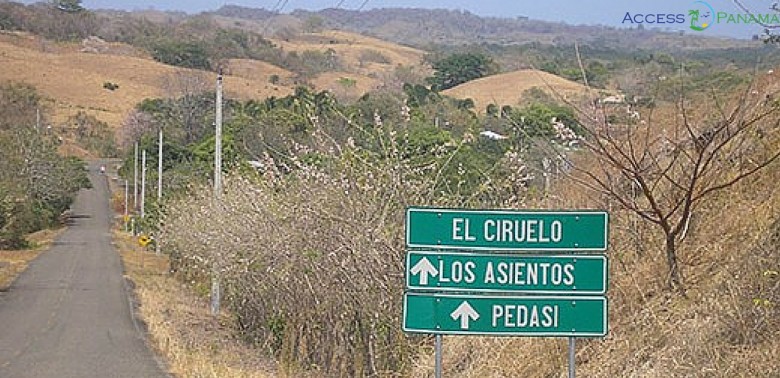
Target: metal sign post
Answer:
[[572, 341], [438, 357]]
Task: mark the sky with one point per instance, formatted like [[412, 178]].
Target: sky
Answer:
[[594, 12]]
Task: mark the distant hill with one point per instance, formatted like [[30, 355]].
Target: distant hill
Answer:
[[425, 27], [508, 88]]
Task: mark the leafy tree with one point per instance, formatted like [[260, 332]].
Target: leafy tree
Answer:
[[36, 184], [550, 67], [536, 120], [423, 141], [419, 95], [94, 135], [181, 54], [275, 133], [491, 110], [459, 68]]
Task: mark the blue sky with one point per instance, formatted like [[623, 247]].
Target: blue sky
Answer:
[[602, 12]]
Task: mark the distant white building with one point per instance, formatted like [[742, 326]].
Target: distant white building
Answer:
[[256, 164], [615, 99], [493, 135]]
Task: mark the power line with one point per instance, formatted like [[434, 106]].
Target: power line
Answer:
[[757, 19], [284, 4], [356, 11], [280, 4], [362, 6], [273, 9]]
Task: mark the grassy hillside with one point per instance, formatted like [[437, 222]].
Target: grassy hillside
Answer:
[[508, 88], [73, 81]]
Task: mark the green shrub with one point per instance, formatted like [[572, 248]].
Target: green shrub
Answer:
[[110, 86], [181, 54]]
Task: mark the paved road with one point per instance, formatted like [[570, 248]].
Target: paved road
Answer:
[[68, 315]]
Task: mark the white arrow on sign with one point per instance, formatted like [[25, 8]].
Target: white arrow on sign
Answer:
[[466, 313], [424, 268]]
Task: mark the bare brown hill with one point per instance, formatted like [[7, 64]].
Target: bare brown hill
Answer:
[[356, 51], [73, 81], [508, 88]]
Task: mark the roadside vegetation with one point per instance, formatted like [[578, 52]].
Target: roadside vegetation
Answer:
[[181, 329], [322, 187], [36, 184], [307, 238]]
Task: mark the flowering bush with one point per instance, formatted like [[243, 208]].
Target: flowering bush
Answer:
[[312, 261]]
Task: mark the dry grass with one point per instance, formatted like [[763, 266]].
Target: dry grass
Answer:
[[13, 263], [330, 81], [74, 80], [191, 341], [507, 88], [256, 70], [713, 332], [716, 330], [350, 46]]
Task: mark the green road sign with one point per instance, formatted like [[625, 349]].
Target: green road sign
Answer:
[[499, 230], [505, 315], [454, 271]]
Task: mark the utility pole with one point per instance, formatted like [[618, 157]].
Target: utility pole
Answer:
[[159, 193], [215, 284], [218, 142], [143, 184], [135, 178], [125, 219], [159, 166]]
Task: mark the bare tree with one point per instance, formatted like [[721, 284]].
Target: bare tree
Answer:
[[134, 126], [663, 168], [187, 88]]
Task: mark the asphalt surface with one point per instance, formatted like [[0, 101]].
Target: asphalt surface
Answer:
[[69, 314]]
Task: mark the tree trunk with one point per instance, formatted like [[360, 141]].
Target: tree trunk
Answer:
[[671, 261]]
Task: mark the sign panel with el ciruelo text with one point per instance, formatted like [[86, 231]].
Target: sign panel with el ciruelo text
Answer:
[[503, 230]]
